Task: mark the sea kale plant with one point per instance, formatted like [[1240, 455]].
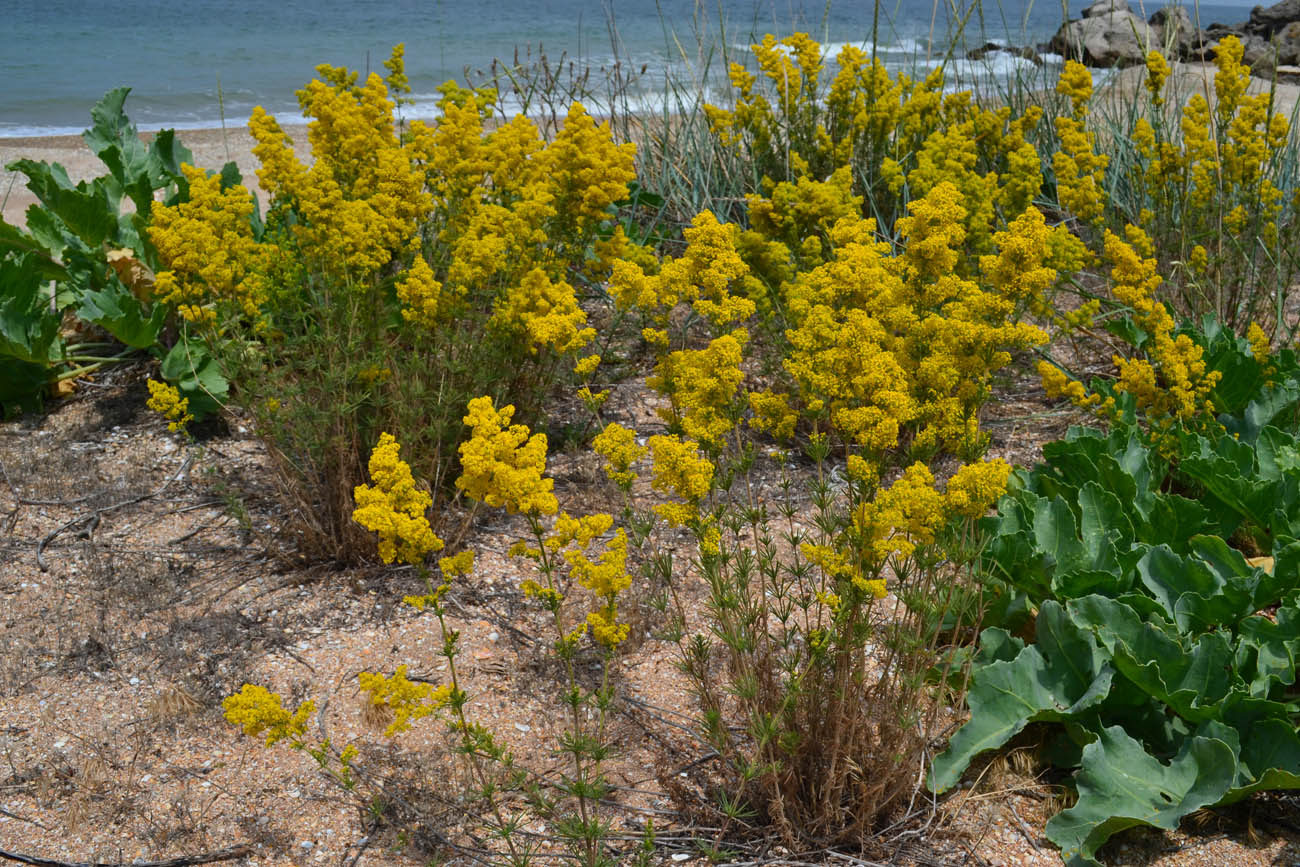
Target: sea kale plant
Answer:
[[85, 260], [1143, 583]]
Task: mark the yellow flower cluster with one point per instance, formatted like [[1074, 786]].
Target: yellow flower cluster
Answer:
[[501, 465], [362, 200], [906, 514], [618, 446], [783, 124], [912, 511], [606, 578], [407, 700], [702, 387], [258, 710], [710, 276], [1171, 383], [515, 214], [885, 343], [207, 246], [394, 508], [419, 293], [1080, 170], [165, 400], [547, 311], [837, 566], [1216, 182], [680, 470], [772, 413]]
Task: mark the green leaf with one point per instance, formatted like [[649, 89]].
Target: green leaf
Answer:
[[1191, 680], [195, 373], [1267, 652], [1103, 524], [1121, 785], [1063, 674], [1056, 534], [1175, 519], [1271, 404], [121, 314], [85, 209], [29, 329], [1196, 593]]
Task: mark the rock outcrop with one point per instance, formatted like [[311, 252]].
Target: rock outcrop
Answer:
[[1110, 33]]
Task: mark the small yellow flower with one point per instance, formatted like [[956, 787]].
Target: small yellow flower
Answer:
[[501, 465], [394, 508], [166, 400], [258, 710]]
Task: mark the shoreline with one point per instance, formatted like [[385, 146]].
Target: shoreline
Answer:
[[213, 147]]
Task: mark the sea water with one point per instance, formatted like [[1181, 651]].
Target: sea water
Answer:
[[197, 64]]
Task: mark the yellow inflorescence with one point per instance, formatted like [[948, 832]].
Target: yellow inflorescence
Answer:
[[165, 400], [618, 446], [702, 387], [408, 700], [419, 293], [258, 710], [1080, 170], [394, 508], [501, 465], [208, 248]]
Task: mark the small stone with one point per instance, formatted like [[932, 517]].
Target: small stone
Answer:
[[493, 636], [523, 727], [681, 856]]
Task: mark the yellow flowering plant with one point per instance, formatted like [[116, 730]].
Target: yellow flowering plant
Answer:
[[892, 136], [1203, 173], [799, 606], [503, 465], [398, 272]]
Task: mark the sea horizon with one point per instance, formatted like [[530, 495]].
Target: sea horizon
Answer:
[[204, 69]]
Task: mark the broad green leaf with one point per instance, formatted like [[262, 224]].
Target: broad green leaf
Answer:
[[1081, 582], [1175, 519], [85, 209], [1121, 785], [1275, 453], [1056, 534], [1269, 759], [1103, 524], [196, 375], [1066, 676], [1270, 404], [1267, 652], [1196, 593], [29, 329], [121, 314], [1191, 680]]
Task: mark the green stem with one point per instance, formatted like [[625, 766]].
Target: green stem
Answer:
[[458, 705]]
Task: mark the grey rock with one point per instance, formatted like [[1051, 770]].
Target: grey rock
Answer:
[[1113, 38], [1287, 41], [1266, 21], [1286, 74], [1178, 36], [1106, 7], [990, 48]]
